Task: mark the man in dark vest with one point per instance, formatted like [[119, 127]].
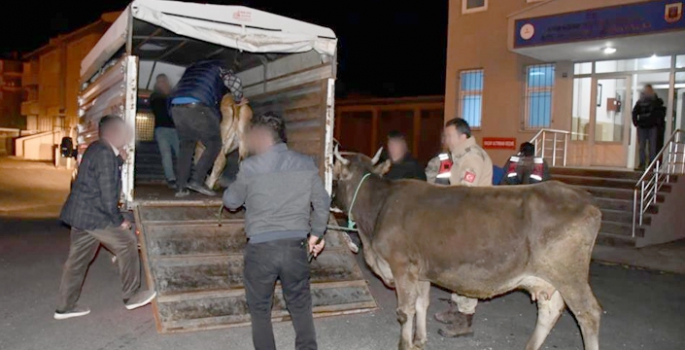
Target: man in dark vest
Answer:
[[649, 119], [195, 110], [525, 168]]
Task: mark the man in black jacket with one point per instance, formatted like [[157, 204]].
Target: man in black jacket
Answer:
[[93, 214], [403, 165], [648, 113]]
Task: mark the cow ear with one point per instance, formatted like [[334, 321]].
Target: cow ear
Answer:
[[382, 168]]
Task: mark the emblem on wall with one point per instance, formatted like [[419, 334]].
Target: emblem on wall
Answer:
[[674, 12], [527, 31]]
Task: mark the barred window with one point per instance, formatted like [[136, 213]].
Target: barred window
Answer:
[[539, 92], [471, 96], [145, 126], [470, 6]]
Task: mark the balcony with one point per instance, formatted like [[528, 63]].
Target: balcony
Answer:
[[30, 108], [30, 74]]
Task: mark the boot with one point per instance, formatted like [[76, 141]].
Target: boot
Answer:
[[460, 327], [449, 315]]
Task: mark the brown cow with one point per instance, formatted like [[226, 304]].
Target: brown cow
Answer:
[[477, 242]]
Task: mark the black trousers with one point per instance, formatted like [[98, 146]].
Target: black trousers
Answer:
[[84, 246], [647, 142], [196, 123], [264, 264]]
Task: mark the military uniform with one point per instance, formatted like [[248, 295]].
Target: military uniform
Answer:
[[438, 169], [472, 165], [523, 170]]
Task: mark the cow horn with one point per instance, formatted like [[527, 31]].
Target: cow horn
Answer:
[[377, 157], [340, 158]]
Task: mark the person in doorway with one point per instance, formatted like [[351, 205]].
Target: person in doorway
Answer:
[[525, 168], [403, 165], [648, 113], [195, 111], [165, 132], [93, 214], [285, 219], [472, 167]]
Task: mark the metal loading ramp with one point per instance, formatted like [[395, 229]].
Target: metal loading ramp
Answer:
[[196, 265]]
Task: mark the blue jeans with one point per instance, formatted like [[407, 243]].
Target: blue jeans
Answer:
[[646, 139], [167, 141]]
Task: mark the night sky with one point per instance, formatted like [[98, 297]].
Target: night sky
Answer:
[[386, 48]]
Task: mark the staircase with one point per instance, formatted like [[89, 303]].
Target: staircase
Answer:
[[613, 191], [148, 169]]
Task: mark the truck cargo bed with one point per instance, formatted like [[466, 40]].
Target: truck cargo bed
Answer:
[[194, 259]]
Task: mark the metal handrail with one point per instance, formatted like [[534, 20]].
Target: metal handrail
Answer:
[[655, 176], [541, 138]]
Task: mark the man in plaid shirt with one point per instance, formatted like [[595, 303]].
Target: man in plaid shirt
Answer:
[[195, 110], [92, 212]]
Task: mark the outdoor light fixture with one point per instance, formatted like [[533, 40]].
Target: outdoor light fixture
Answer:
[[609, 50]]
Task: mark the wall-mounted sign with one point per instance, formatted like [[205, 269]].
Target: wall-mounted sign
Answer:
[[499, 143], [634, 19]]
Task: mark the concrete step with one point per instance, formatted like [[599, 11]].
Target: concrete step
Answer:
[[621, 205], [623, 217], [601, 173], [620, 229], [602, 182], [616, 193], [608, 239]]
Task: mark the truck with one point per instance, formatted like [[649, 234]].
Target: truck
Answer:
[[191, 248]]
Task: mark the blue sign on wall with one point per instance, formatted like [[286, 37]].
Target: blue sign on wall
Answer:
[[610, 22]]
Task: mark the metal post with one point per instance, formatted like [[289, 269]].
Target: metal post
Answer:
[[656, 182], [634, 210], [642, 201], [566, 137], [554, 151], [543, 144]]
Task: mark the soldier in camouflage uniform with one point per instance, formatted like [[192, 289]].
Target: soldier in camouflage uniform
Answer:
[[472, 167], [438, 169]]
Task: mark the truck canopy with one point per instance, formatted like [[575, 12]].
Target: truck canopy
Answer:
[[236, 27]]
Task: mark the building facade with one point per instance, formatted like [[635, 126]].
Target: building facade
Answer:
[[10, 94], [51, 78], [577, 66]]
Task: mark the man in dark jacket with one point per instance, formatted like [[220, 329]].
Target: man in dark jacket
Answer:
[[93, 214], [165, 132], [286, 212], [403, 165], [648, 113], [195, 110]]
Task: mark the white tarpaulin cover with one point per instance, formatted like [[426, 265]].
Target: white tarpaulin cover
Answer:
[[236, 27]]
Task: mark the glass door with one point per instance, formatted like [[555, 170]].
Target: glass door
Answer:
[[611, 122]]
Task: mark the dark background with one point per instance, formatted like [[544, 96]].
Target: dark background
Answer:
[[386, 48]]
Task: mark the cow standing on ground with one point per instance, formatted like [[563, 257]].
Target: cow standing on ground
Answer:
[[484, 242]]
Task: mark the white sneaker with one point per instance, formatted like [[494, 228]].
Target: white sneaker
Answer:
[[140, 299], [75, 312]]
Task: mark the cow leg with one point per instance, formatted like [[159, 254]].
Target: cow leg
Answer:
[[407, 295], [585, 307], [422, 303], [549, 311]]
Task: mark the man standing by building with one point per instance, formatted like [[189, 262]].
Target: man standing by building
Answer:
[[93, 214], [165, 132], [472, 167], [403, 165], [648, 113], [195, 111], [287, 211]]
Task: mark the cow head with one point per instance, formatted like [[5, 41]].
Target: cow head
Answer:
[[348, 171]]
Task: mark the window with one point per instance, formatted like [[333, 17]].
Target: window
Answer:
[[582, 68], [680, 61], [471, 96], [471, 6], [539, 91]]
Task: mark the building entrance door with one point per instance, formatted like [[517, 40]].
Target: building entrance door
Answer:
[[610, 121]]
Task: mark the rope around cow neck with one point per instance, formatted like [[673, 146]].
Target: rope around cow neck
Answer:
[[350, 218]]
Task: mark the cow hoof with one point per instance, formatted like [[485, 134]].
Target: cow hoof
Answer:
[[419, 345]]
